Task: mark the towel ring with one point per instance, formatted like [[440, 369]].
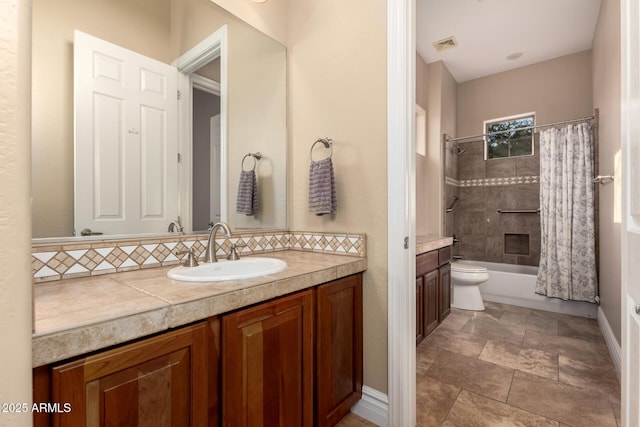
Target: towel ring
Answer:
[[256, 156], [327, 142]]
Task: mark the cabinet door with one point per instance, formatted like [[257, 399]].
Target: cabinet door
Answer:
[[267, 363], [338, 348], [419, 310], [445, 290], [431, 303], [161, 381]]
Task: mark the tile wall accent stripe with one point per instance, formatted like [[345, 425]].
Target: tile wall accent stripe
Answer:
[[451, 181], [490, 182], [51, 262]]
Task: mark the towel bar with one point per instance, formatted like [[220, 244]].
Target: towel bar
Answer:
[[327, 142], [603, 179], [514, 211], [256, 156]]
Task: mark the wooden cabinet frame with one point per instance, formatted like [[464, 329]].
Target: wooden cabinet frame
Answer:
[[433, 290], [338, 348], [267, 363]]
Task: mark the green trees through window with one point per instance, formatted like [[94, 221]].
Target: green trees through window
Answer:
[[507, 138]]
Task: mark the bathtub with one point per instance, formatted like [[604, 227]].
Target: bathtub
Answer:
[[516, 284]]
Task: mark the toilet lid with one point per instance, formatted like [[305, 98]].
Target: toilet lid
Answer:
[[467, 268]]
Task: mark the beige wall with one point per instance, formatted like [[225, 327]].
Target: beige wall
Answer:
[[15, 211], [422, 82], [558, 89], [423, 201], [269, 17], [337, 75], [257, 118], [606, 97], [441, 89]]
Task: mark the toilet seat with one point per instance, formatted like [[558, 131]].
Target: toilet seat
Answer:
[[467, 268]]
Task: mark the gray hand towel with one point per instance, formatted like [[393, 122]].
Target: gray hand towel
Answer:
[[247, 202], [322, 187]]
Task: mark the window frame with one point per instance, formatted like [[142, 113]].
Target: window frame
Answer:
[[507, 119]]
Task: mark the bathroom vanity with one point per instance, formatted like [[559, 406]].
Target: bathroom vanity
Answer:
[[283, 349], [433, 283]]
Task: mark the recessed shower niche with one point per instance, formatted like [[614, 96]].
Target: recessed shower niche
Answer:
[[516, 244]]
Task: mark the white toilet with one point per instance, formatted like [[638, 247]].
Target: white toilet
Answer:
[[466, 279]]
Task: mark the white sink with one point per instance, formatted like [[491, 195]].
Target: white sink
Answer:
[[244, 268]]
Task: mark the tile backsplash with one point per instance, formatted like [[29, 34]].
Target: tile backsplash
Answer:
[[66, 260]]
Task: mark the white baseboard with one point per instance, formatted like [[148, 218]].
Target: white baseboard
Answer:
[[610, 339], [374, 407]]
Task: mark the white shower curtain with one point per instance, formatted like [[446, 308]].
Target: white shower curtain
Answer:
[[567, 259]]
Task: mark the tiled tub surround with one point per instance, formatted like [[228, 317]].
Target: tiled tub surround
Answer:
[[77, 316], [483, 187], [82, 259]]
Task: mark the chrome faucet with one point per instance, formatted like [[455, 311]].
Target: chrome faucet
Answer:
[[175, 225], [210, 254]]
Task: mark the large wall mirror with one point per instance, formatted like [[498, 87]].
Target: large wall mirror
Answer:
[[236, 104]]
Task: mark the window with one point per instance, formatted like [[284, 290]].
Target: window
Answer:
[[512, 140]]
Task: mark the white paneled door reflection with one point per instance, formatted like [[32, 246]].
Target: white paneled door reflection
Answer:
[[125, 139]]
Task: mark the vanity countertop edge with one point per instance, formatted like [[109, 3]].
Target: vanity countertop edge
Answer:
[[431, 242], [82, 315]]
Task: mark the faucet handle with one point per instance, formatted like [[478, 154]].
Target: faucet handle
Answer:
[[192, 260], [233, 253]]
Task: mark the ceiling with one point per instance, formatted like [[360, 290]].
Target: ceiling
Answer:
[[487, 31]]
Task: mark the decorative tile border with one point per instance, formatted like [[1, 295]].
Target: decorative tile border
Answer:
[[335, 243], [489, 182], [52, 262], [451, 181]]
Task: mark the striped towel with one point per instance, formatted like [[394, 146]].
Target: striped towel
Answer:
[[322, 187], [247, 202]]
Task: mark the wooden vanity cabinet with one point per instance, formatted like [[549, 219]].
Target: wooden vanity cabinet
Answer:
[[338, 379], [269, 377], [267, 363], [444, 283], [419, 309], [160, 381], [433, 290], [426, 294], [431, 305], [263, 365]]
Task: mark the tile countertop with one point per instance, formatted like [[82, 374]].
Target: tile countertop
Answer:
[[77, 316], [431, 242]]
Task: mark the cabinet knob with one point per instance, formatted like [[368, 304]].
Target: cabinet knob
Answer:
[[638, 309]]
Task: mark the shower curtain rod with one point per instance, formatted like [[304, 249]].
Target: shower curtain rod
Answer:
[[583, 119]]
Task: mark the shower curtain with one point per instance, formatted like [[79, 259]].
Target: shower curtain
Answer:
[[567, 259]]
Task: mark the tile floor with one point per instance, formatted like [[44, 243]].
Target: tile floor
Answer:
[[514, 366]]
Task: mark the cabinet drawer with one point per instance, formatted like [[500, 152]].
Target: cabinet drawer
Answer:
[[426, 263], [444, 255]]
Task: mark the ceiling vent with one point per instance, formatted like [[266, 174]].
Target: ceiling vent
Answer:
[[445, 44]]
